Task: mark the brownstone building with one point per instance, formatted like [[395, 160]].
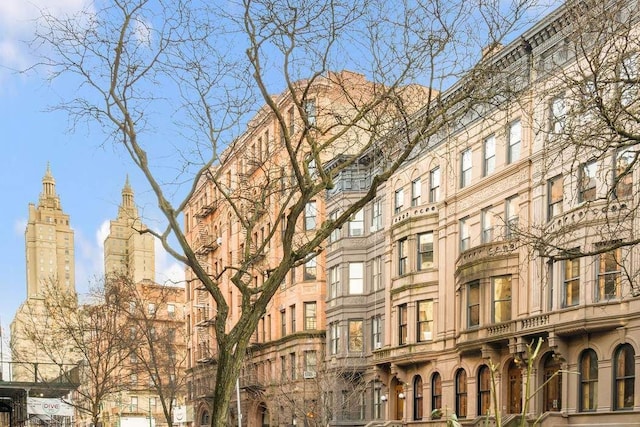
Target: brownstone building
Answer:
[[503, 232]]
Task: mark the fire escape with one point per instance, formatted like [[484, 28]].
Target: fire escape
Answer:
[[204, 244]]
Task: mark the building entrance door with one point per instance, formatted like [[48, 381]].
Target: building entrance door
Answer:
[[399, 402], [515, 388]]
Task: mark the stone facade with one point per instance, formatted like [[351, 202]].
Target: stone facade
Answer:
[[442, 287]]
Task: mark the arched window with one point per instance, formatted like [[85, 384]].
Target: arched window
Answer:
[[436, 392], [624, 368], [417, 398], [553, 384], [484, 390], [204, 419], [461, 393], [588, 381]]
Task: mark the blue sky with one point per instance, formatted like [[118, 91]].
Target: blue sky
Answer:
[[89, 174]]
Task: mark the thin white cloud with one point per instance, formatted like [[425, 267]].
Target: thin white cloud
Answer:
[[20, 226], [18, 20], [168, 270], [102, 234], [142, 32], [88, 260]]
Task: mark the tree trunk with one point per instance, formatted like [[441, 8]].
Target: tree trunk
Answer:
[[228, 370]]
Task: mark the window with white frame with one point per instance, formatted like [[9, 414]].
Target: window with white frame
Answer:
[[511, 213], [356, 224], [489, 151], [557, 114], [402, 324], [310, 318], [465, 167], [356, 278], [377, 273], [473, 304], [334, 281], [501, 298], [133, 405], [376, 332], [571, 282], [424, 322], [310, 361], [377, 400], [376, 214], [486, 216], [623, 173], [555, 195], [416, 192], [425, 250], [515, 141], [587, 181], [310, 215], [608, 275], [434, 185], [335, 233], [310, 268], [334, 345], [398, 200], [403, 262], [465, 237], [356, 335]]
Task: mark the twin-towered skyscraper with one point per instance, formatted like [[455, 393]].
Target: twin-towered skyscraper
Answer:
[[50, 262]]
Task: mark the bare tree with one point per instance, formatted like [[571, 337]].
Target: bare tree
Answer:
[[586, 123], [152, 72], [89, 335], [316, 396], [154, 315]]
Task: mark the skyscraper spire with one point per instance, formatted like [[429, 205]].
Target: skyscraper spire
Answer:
[[126, 249], [48, 197], [127, 195], [127, 209]]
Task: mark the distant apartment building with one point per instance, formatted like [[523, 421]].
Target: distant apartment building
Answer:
[[152, 379], [498, 234], [152, 375]]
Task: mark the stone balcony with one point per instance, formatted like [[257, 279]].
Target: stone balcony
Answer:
[[566, 322]]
